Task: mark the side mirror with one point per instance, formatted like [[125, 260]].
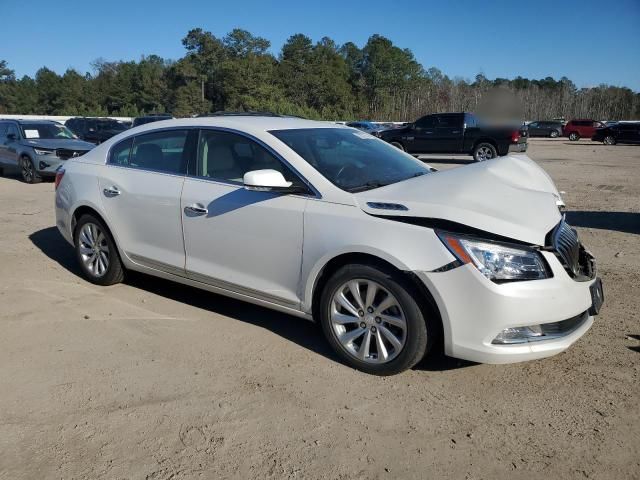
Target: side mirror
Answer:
[[266, 181], [11, 136]]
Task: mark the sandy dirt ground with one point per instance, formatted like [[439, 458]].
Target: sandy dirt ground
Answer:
[[152, 380]]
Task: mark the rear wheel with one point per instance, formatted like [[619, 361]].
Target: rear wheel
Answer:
[[96, 252], [554, 134], [609, 140], [574, 136], [28, 171], [484, 151], [398, 145], [371, 318]]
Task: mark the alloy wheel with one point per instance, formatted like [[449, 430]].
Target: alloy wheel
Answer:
[[94, 250], [609, 140], [27, 170], [554, 134], [484, 153], [368, 321]]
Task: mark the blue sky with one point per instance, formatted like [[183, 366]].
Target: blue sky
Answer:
[[591, 42]]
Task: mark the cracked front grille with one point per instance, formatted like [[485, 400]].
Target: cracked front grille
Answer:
[[579, 263]]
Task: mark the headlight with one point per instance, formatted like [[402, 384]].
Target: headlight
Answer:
[[496, 261], [43, 151]]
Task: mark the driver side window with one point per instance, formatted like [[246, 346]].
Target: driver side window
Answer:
[[228, 156], [427, 122]]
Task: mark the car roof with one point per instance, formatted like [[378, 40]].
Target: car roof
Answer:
[[238, 122]]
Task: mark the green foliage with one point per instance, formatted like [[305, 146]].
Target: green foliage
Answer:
[[319, 80]]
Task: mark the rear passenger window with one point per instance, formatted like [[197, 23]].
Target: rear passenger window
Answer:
[[120, 153], [449, 122], [228, 156], [161, 151]]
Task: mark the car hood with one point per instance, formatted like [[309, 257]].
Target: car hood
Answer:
[[71, 144], [508, 196]]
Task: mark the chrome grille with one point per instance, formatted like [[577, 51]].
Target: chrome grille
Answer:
[[567, 245], [67, 153]]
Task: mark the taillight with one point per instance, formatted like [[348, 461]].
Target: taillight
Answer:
[[59, 175], [515, 136]]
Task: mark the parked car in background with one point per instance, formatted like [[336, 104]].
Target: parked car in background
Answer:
[[545, 128], [576, 129], [365, 126], [93, 129], [624, 132], [36, 148], [457, 133], [154, 117], [325, 222]]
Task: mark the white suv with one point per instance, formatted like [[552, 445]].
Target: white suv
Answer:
[[329, 223]]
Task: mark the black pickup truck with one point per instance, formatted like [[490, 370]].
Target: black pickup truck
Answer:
[[456, 133]]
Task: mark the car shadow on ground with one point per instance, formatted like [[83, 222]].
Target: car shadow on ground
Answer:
[[626, 222], [302, 332]]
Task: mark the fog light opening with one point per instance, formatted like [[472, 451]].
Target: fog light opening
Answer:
[[43, 165], [518, 335]]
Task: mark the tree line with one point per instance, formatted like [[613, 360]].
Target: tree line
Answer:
[[321, 80]]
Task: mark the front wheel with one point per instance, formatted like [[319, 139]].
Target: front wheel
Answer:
[[96, 252], [554, 134], [28, 171], [484, 151], [609, 140], [574, 136], [371, 318]]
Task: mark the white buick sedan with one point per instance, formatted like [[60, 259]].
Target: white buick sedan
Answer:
[[329, 223]]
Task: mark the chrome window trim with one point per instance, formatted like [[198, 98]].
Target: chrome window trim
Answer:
[[132, 137], [313, 191]]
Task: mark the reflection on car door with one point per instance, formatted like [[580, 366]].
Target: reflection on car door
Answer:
[[140, 189], [249, 242]]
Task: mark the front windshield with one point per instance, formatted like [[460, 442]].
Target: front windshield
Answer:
[[350, 159], [46, 131]]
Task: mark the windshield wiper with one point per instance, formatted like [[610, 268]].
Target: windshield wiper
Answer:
[[367, 186]]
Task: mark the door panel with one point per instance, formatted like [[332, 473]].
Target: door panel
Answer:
[[140, 189], [247, 241], [145, 215]]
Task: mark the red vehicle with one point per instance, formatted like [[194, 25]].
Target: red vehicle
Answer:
[[577, 129]]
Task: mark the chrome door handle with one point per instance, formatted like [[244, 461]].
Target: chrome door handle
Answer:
[[111, 191], [196, 209]]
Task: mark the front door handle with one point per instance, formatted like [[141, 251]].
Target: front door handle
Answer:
[[196, 209], [112, 191]]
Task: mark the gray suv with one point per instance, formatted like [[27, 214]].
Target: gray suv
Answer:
[[36, 148]]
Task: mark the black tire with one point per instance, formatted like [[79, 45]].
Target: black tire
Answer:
[[28, 171], [398, 145], [484, 151], [554, 134], [609, 140], [421, 325], [574, 136], [115, 270]]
